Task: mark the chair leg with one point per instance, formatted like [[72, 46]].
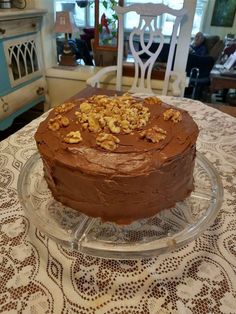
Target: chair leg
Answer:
[[193, 79]]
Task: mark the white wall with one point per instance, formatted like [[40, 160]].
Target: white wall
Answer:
[[214, 30], [48, 37]]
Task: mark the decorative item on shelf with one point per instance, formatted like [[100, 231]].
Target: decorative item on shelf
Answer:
[[105, 43], [65, 24], [106, 25]]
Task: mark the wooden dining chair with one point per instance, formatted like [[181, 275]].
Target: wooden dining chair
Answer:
[[147, 33]]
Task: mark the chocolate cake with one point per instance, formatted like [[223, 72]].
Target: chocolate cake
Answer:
[[119, 158]]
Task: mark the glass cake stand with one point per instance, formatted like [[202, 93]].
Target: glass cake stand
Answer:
[[168, 230]]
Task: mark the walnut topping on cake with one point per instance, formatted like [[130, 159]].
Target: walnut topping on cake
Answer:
[[57, 122], [85, 107], [64, 108], [107, 141], [53, 125], [113, 124], [173, 115], [73, 137], [118, 114], [93, 123], [152, 100], [154, 134]]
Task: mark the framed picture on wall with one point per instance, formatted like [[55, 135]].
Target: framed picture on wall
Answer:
[[223, 13]]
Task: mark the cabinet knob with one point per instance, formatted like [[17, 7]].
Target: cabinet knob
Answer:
[[40, 91], [33, 25], [2, 31]]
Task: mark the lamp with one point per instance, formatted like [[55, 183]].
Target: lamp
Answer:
[[65, 24], [82, 3]]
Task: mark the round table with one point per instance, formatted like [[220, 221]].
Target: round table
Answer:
[[39, 276]]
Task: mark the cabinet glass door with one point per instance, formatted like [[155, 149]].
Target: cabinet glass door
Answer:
[[23, 57]]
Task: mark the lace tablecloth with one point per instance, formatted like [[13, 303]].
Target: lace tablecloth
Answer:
[[39, 276]]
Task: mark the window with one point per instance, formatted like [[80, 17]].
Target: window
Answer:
[[70, 5], [84, 17], [199, 15], [166, 22]]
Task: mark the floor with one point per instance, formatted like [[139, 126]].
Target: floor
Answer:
[[35, 112], [231, 110], [227, 106], [22, 120]]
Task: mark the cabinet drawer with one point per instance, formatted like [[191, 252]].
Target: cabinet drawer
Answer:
[[19, 27], [14, 101]]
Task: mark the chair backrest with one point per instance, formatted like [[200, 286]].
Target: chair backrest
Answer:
[[147, 32]]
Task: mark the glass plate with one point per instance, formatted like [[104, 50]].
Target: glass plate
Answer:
[[168, 230]]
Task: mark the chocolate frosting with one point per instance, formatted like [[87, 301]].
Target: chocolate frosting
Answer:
[[136, 180]]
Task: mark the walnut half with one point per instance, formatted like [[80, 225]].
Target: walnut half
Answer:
[[73, 137], [63, 108], [57, 122], [173, 115], [154, 134], [107, 141], [152, 100]]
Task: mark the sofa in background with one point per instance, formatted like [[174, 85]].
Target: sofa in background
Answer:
[[199, 67], [205, 63], [214, 45]]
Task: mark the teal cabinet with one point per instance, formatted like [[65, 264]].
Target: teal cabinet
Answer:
[[22, 81]]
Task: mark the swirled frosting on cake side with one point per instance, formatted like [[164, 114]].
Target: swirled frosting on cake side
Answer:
[[120, 158]]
